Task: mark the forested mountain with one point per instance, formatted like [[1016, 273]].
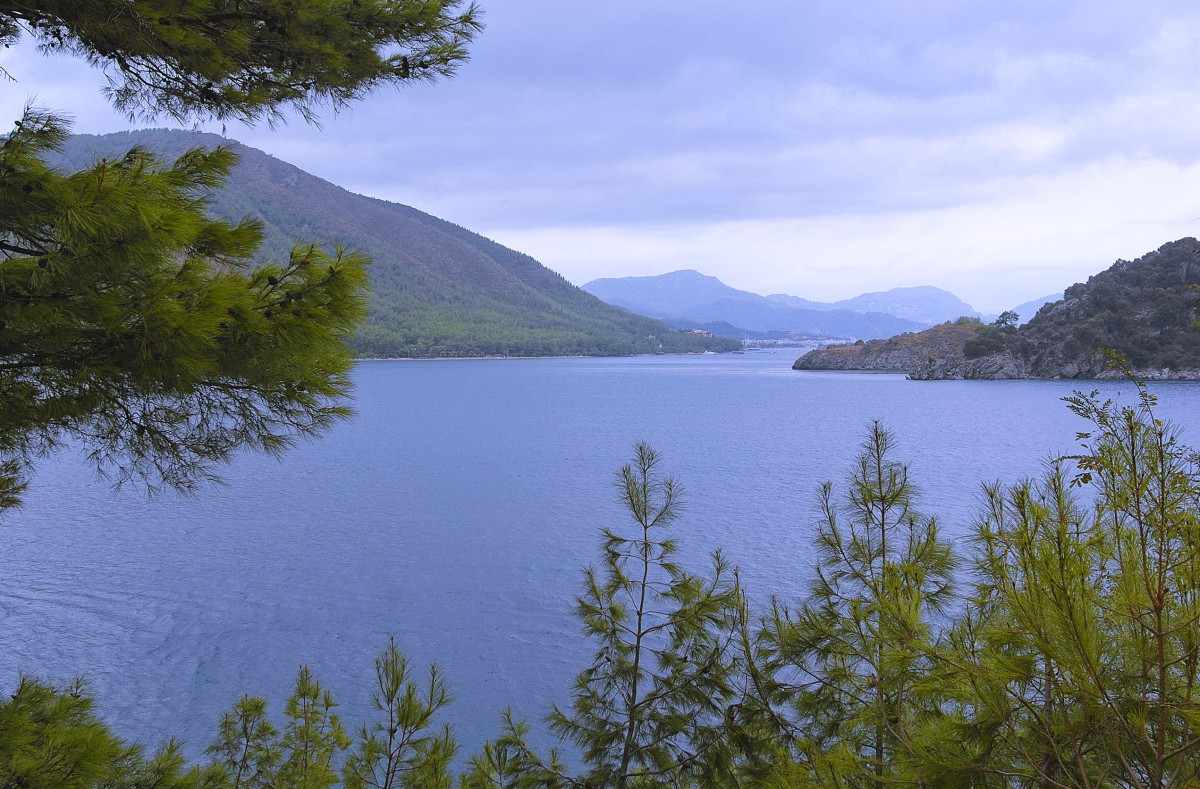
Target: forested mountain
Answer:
[[691, 298], [1144, 310], [437, 289]]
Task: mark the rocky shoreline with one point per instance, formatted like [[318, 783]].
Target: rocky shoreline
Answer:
[[955, 367], [1147, 311], [938, 355]]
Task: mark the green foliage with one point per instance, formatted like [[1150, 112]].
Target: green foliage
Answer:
[[650, 708], [131, 323], [130, 320], [247, 745], [312, 737], [850, 662], [1142, 309], [397, 750], [995, 337], [1078, 664], [1007, 318], [247, 59], [509, 763], [51, 739]]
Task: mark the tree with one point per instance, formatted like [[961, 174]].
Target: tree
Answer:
[[852, 660], [247, 745], [994, 337], [1007, 318], [397, 750], [51, 739], [651, 709], [651, 706], [313, 736], [1081, 666], [248, 59], [129, 321]]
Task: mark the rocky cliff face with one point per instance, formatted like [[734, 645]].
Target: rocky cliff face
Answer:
[[1001, 366]]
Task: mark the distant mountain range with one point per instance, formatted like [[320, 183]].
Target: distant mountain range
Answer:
[[1145, 310], [1027, 310], [437, 289], [689, 298]]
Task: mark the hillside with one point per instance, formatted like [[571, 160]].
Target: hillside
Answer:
[[1145, 310], [904, 353], [691, 298], [437, 289]]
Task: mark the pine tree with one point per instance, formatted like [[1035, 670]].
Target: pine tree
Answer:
[[313, 736], [248, 59], [132, 324], [851, 661], [397, 749], [247, 745], [509, 763], [1081, 664], [653, 707], [50, 738], [649, 709]]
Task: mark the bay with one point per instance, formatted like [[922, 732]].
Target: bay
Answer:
[[456, 510]]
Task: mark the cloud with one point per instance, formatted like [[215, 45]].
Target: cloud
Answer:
[[1035, 237], [818, 148]]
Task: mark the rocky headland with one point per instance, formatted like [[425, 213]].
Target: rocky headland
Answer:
[[905, 353], [1143, 310]]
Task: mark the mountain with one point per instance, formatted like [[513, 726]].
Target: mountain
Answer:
[[674, 294], [1027, 310], [691, 298], [1144, 310], [437, 289], [922, 304]]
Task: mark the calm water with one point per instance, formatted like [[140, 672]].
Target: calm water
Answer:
[[456, 511]]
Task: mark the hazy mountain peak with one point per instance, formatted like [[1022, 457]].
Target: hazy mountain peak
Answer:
[[920, 303]]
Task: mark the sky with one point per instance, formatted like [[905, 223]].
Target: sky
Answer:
[[822, 149]]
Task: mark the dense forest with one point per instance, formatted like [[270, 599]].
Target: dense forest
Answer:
[[1057, 646]]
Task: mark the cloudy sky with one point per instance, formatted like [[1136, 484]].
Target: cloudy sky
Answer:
[[821, 148]]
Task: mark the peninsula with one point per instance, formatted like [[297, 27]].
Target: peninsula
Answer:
[[1144, 310]]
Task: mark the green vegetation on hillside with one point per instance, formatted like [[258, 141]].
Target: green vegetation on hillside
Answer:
[[437, 289], [1056, 646], [902, 353], [1143, 309]]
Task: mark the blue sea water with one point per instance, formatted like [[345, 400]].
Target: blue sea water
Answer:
[[456, 510]]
